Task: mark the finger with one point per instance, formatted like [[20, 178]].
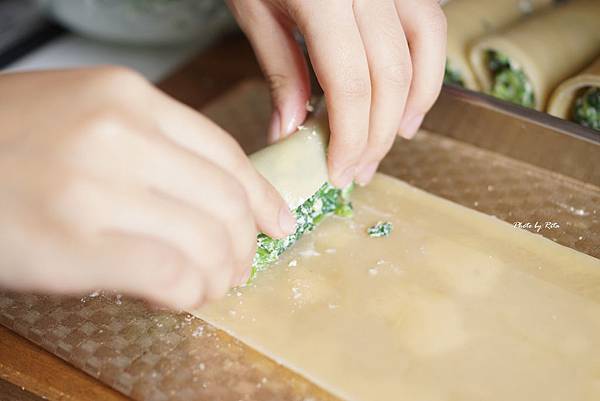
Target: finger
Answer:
[[390, 70], [425, 27], [146, 267], [93, 207], [282, 62], [155, 163], [196, 133], [340, 63], [136, 265]]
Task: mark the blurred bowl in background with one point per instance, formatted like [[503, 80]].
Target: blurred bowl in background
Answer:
[[142, 22]]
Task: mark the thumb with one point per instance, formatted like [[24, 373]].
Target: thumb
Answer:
[[282, 62]]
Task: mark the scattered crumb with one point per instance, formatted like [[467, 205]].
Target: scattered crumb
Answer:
[[309, 252], [293, 263], [381, 229]]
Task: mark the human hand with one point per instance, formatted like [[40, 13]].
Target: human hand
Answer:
[[105, 182], [379, 62]]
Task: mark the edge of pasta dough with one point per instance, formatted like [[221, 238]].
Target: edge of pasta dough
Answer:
[[562, 99], [297, 165], [522, 239], [469, 20], [549, 46]]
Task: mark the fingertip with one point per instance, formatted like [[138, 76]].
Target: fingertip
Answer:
[[287, 221], [188, 293], [343, 178], [274, 127], [366, 173], [243, 278], [410, 125]]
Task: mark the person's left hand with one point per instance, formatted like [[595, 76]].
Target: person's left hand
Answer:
[[379, 62]]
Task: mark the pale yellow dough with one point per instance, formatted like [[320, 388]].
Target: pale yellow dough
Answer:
[[453, 305], [469, 20], [297, 165], [563, 98], [549, 47]]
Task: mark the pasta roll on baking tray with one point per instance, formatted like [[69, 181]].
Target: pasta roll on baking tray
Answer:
[[526, 61], [471, 19], [578, 98]]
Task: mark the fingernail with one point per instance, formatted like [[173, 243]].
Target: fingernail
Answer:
[[275, 128], [346, 177], [411, 126], [245, 277], [366, 174], [287, 222], [291, 127]]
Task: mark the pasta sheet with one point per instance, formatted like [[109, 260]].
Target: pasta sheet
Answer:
[[453, 305]]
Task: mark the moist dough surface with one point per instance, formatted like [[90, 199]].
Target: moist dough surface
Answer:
[[453, 305]]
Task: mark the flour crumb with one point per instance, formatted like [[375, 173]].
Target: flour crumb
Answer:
[[309, 253]]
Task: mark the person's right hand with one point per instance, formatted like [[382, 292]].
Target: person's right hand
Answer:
[[107, 183]]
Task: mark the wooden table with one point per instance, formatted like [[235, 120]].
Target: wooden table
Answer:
[[29, 373]]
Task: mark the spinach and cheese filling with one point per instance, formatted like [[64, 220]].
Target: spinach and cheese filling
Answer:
[[381, 229], [453, 77], [509, 82], [327, 201], [586, 110]]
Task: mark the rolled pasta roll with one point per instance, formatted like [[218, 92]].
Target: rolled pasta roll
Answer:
[[526, 61], [578, 98], [471, 19], [297, 167]]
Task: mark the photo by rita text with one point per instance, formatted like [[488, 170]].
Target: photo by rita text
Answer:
[[537, 226]]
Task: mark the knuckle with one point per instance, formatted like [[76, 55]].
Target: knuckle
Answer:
[[398, 75], [354, 87], [117, 81], [277, 82], [381, 145], [434, 18], [104, 120]]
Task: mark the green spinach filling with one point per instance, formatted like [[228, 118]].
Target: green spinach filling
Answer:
[[381, 229], [453, 77], [326, 201], [586, 110], [509, 82]]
